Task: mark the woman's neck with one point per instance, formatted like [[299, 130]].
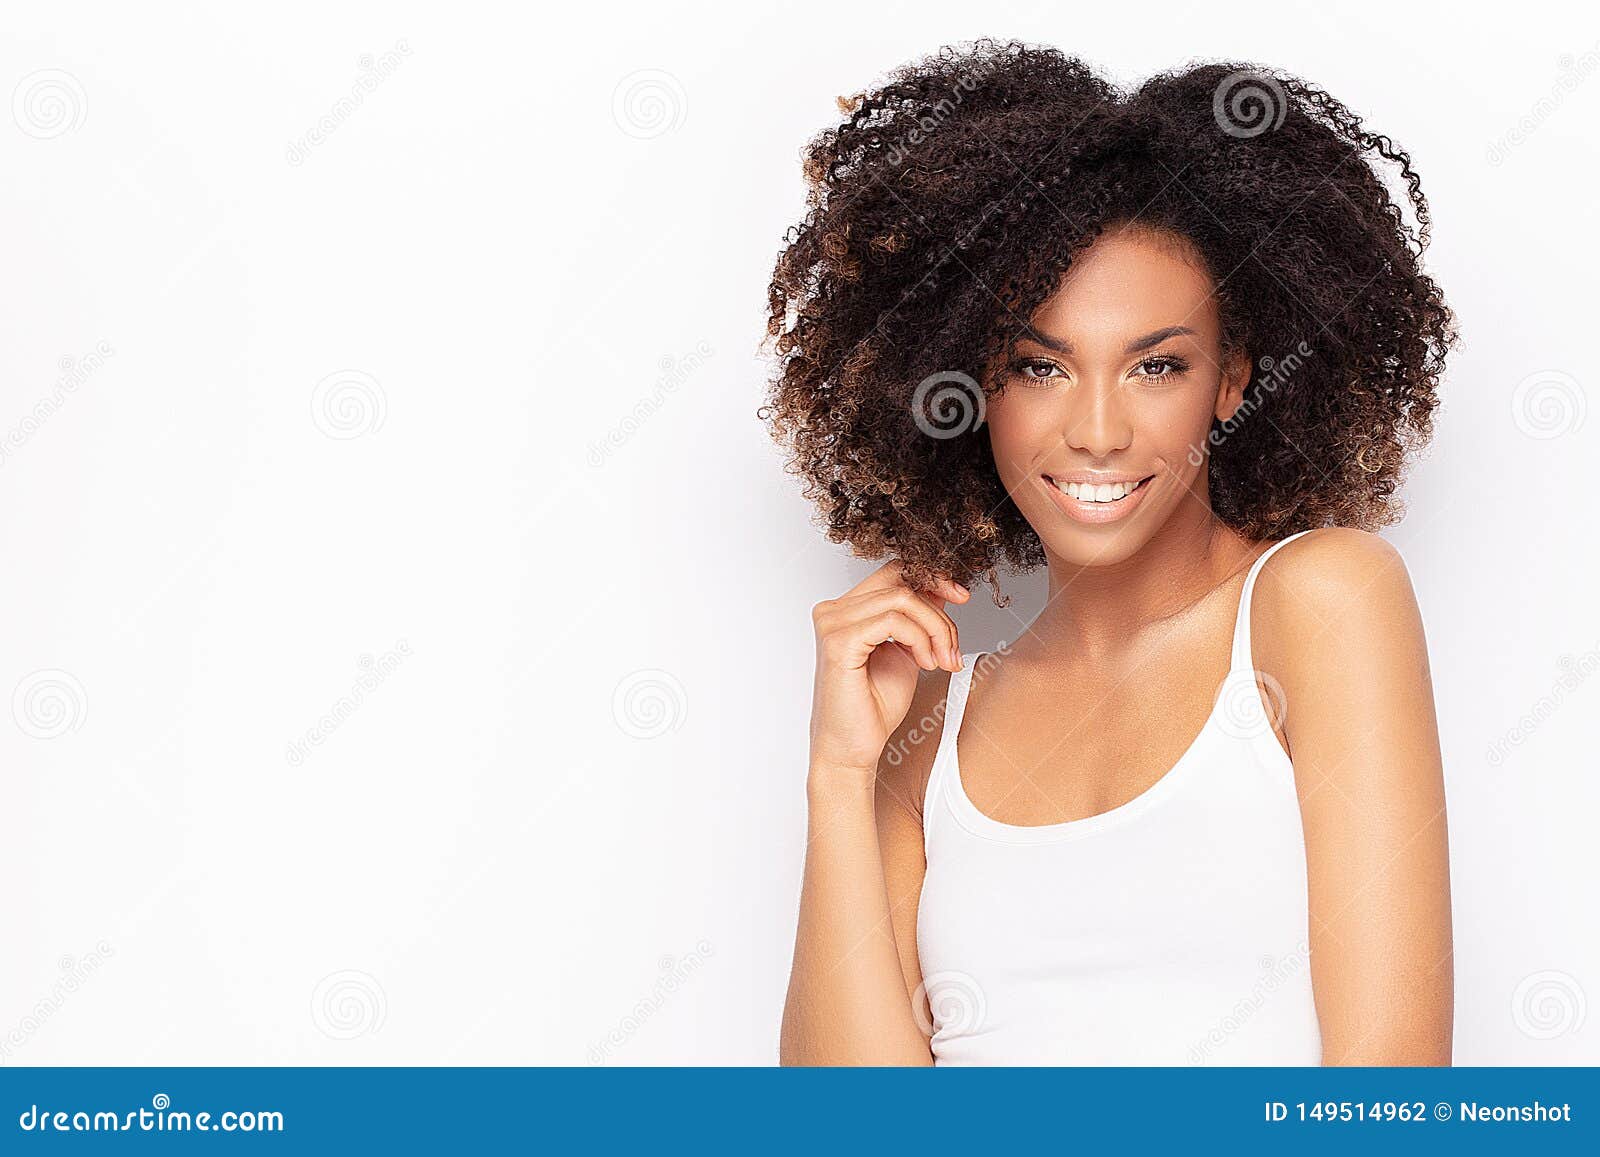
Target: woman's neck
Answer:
[[1100, 608]]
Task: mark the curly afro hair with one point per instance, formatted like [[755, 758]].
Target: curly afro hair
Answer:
[[942, 212]]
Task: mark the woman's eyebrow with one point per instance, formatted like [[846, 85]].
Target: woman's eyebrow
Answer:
[[1139, 343]]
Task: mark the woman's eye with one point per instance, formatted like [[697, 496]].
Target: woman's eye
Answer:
[[1162, 367], [1036, 371]]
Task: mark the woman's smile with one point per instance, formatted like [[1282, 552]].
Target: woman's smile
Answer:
[[1092, 498]]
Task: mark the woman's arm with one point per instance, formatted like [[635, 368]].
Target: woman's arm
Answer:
[[855, 969], [1338, 626]]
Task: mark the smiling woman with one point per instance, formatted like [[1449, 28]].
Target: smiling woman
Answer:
[[1212, 757]]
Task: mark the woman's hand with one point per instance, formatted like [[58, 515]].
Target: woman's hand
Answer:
[[871, 641]]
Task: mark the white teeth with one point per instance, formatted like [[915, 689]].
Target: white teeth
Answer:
[[1110, 492]]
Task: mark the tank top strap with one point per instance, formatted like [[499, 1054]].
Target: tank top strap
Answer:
[[955, 706], [1241, 625]]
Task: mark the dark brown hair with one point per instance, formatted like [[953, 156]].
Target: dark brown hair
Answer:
[[947, 204]]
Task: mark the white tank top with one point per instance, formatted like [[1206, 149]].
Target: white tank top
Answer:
[[1171, 930]]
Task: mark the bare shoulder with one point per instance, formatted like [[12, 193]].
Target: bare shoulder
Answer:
[[907, 759], [1335, 583], [1335, 620]]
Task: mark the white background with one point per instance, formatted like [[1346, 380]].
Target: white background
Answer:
[[351, 407]]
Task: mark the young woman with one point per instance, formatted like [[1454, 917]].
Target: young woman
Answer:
[[1177, 347]]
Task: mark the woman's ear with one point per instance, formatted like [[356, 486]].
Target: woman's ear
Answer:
[[1235, 377]]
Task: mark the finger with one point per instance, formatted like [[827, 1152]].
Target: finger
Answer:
[[935, 623], [855, 643]]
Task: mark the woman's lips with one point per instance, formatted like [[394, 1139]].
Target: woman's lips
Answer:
[[1095, 512]]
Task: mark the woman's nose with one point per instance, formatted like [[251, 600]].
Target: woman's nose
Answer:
[[1097, 419]]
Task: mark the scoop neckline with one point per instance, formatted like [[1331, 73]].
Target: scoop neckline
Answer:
[[980, 823]]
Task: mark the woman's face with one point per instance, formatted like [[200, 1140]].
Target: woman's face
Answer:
[[1115, 389]]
